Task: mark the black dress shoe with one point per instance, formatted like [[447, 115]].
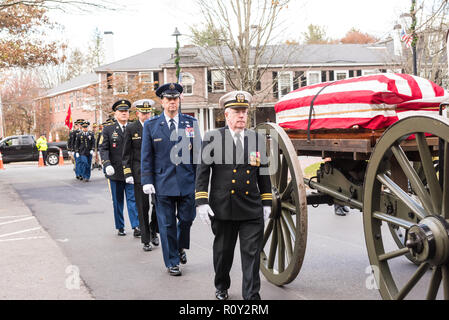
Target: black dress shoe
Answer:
[[137, 232], [221, 294], [182, 256], [174, 271], [147, 247], [154, 238], [121, 232]]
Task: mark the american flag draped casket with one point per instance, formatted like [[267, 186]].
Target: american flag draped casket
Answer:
[[371, 102]]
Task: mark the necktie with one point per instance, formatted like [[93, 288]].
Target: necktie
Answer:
[[238, 148], [172, 125]]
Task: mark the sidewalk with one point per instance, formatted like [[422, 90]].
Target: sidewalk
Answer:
[[32, 265]]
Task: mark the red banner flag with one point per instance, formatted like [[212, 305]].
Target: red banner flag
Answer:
[[68, 119]]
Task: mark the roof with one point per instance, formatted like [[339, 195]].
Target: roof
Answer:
[[148, 60], [81, 81]]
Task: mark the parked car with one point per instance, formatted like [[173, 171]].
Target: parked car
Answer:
[[23, 148]]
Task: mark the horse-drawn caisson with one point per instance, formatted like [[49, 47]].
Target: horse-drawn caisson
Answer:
[[381, 134]]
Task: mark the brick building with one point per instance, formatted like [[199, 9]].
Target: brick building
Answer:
[[286, 69]]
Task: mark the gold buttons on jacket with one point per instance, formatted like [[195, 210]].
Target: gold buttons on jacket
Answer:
[[246, 192], [233, 181], [232, 191], [248, 172], [234, 170], [247, 182]]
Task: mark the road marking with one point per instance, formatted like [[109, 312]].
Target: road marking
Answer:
[[17, 232], [18, 220], [9, 217], [17, 239]]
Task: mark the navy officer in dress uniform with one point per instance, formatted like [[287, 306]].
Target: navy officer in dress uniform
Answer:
[[240, 194], [84, 148], [131, 168], [171, 145], [111, 151]]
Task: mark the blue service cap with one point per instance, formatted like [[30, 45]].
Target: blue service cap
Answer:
[[169, 90]]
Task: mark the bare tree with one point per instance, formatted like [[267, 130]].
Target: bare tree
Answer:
[[248, 29], [431, 27]]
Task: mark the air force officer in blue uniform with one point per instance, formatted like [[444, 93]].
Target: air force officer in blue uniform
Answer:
[[171, 145]]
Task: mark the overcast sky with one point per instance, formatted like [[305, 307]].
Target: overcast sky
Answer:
[[145, 24]]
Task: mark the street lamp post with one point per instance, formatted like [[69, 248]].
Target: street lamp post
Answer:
[[176, 34], [409, 19]]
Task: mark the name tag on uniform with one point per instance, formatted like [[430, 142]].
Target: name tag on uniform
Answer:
[[254, 159], [158, 139], [190, 133]]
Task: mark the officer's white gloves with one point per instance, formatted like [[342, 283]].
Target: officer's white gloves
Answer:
[[110, 170], [204, 211], [91, 152], [77, 155], [129, 180], [266, 212], [148, 189]]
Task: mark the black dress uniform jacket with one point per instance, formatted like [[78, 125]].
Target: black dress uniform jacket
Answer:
[[84, 143], [132, 151], [238, 191], [111, 149], [72, 139]]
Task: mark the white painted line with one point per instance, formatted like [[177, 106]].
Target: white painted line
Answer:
[[18, 220], [17, 239], [17, 232], [9, 217]]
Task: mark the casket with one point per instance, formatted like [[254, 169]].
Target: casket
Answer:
[[371, 102]]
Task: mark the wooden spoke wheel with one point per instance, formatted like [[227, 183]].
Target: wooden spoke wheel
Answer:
[[422, 215], [285, 235]]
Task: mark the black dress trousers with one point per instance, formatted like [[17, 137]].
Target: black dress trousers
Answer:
[[250, 234]]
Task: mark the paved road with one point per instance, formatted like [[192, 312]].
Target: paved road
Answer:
[[79, 217]]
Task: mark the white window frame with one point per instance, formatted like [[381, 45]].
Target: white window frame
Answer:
[[367, 72], [114, 82], [222, 75], [346, 72], [183, 75], [281, 73], [150, 73], [309, 83]]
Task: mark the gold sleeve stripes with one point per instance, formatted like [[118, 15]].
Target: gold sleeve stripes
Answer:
[[126, 170], [201, 195], [266, 196]]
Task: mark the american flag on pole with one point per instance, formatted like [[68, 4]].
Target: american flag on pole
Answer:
[[372, 102], [407, 38]]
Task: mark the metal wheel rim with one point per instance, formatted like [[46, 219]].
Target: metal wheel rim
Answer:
[[438, 126], [284, 227], [53, 159]]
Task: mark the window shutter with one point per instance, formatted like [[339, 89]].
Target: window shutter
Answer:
[[275, 86], [258, 84], [296, 79], [323, 76], [156, 80], [209, 81], [109, 80]]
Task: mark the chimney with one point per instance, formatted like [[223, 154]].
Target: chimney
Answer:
[[109, 47], [397, 40]]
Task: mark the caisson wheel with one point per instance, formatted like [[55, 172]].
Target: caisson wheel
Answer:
[[285, 234], [420, 211]]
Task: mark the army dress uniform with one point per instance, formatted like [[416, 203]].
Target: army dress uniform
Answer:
[[173, 181], [84, 148], [71, 148], [239, 190], [131, 168], [111, 152]]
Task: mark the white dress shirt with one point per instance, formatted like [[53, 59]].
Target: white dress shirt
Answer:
[[242, 135], [176, 120]]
